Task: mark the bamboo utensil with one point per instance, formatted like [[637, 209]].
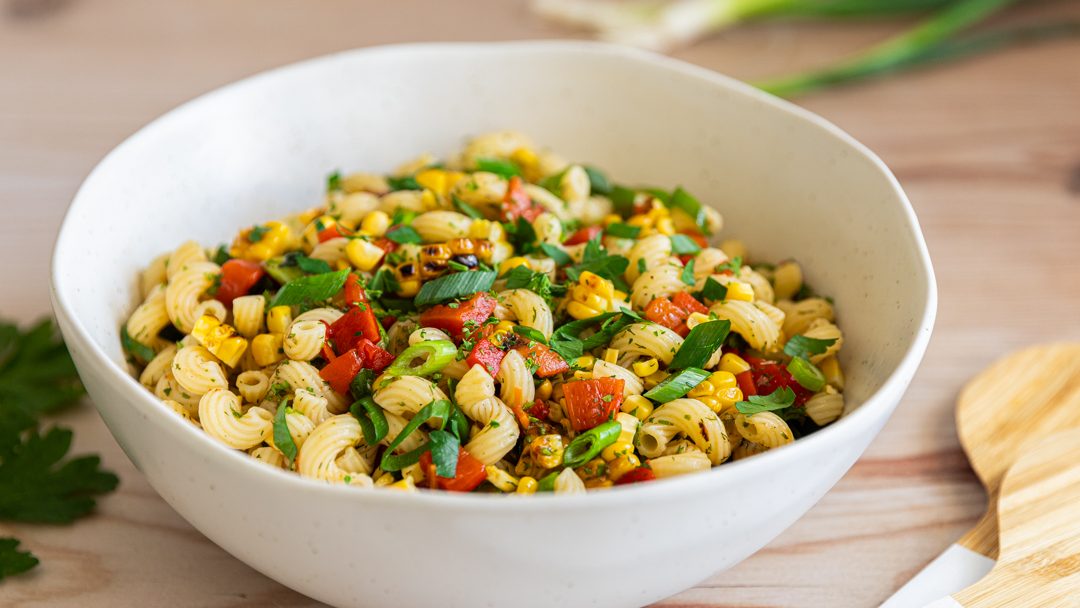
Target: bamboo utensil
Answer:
[[1002, 413], [1039, 565]]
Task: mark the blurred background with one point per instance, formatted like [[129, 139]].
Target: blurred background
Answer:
[[987, 147]]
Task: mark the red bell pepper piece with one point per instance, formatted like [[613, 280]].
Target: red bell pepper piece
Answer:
[[769, 375], [548, 362], [591, 402], [746, 383], [375, 357], [539, 410], [357, 323], [636, 475], [663, 312], [487, 355], [333, 232], [354, 292], [452, 320], [517, 202], [237, 278], [697, 237], [341, 371], [688, 303], [470, 473], [584, 235]]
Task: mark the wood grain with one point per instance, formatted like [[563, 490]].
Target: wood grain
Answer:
[[986, 150], [1039, 566], [1008, 409]]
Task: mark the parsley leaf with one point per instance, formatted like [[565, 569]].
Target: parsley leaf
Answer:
[[498, 166], [140, 351], [521, 277], [687, 275], [403, 183], [36, 372], [404, 235], [444, 453], [333, 181], [682, 200], [781, 398], [310, 289], [714, 290], [312, 265], [700, 344], [530, 333], [682, 244], [13, 561], [622, 199], [257, 233], [283, 439], [734, 265], [623, 231], [521, 235], [566, 341], [598, 182], [801, 346], [561, 257], [597, 261]]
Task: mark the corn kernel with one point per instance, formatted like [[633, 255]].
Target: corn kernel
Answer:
[[611, 355], [434, 180], [543, 391], [364, 255], [525, 158], [512, 263], [664, 225], [429, 200], [386, 479], [375, 223], [527, 485], [618, 295], [622, 465], [272, 240], [637, 406], [654, 379], [734, 364], [612, 219], [406, 484], [834, 375], [617, 449], [720, 391], [312, 230], [737, 290], [584, 362], [267, 349], [646, 367], [582, 375], [723, 380], [461, 246], [704, 388], [278, 319], [580, 311], [695, 319], [408, 289], [641, 221], [547, 450], [220, 339]]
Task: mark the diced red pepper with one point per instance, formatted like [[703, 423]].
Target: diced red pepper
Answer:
[[584, 235], [688, 303], [333, 232], [517, 202], [328, 353], [387, 246], [591, 402], [487, 355], [746, 383], [237, 278], [697, 237], [453, 320], [769, 375], [354, 292], [357, 323], [375, 357], [548, 362], [636, 475], [470, 473], [539, 410], [341, 371], [388, 321], [663, 312]]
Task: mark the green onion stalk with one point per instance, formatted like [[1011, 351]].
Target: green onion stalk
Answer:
[[666, 24]]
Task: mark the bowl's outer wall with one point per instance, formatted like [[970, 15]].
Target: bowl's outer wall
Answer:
[[787, 185]]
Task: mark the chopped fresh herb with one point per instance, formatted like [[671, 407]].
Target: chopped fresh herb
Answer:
[[700, 344], [682, 200], [714, 290], [521, 235], [494, 424], [444, 453], [598, 182], [402, 217], [312, 265], [137, 349], [13, 561], [530, 333], [566, 341], [36, 371], [221, 255], [498, 166], [642, 267], [682, 245], [333, 182], [403, 183], [687, 275], [404, 235], [779, 399], [623, 231], [597, 261], [801, 346], [466, 208], [734, 265], [622, 199], [659, 194], [455, 285], [520, 277], [441, 411], [257, 233], [283, 268], [310, 289], [561, 257], [283, 439]]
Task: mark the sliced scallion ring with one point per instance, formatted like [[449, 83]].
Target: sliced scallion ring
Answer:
[[589, 444], [806, 374], [436, 355]]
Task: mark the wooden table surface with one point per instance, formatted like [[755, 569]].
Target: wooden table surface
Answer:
[[988, 150]]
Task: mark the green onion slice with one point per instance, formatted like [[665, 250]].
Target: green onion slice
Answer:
[[677, 385], [807, 374], [589, 444], [372, 420], [547, 482], [436, 355], [440, 410], [700, 344]]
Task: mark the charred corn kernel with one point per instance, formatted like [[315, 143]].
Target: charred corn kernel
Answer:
[[512, 263], [695, 319], [526, 485], [375, 223], [501, 479], [734, 364], [547, 450], [278, 319], [405, 484], [543, 391], [220, 339], [434, 260], [408, 288], [584, 362], [594, 469], [664, 225], [487, 230], [597, 284], [612, 219], [654, 379], [720, 391], [260, 243], [617, 449], [314, 227], [267, 349], [646, 367], [364, 255], [485, 251], [611, 355], [582, 375], [598, 484], [429, 200], [461, 246], [637, 406], [734, 249], [622, 465], [407, 271], [834, 376], [737, 290], [580, 311]]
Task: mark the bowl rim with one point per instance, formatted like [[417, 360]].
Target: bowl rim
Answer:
[[663, 490]]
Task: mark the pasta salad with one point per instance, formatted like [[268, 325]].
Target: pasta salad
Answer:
[[500, 321]]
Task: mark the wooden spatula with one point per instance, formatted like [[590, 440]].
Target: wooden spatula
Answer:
[[1011, 406], [1039, 517]]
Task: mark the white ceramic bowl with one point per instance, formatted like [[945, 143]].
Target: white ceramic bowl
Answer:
[[787, 182]]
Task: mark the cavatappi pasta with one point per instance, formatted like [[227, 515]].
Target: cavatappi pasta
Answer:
[[500, 321]]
